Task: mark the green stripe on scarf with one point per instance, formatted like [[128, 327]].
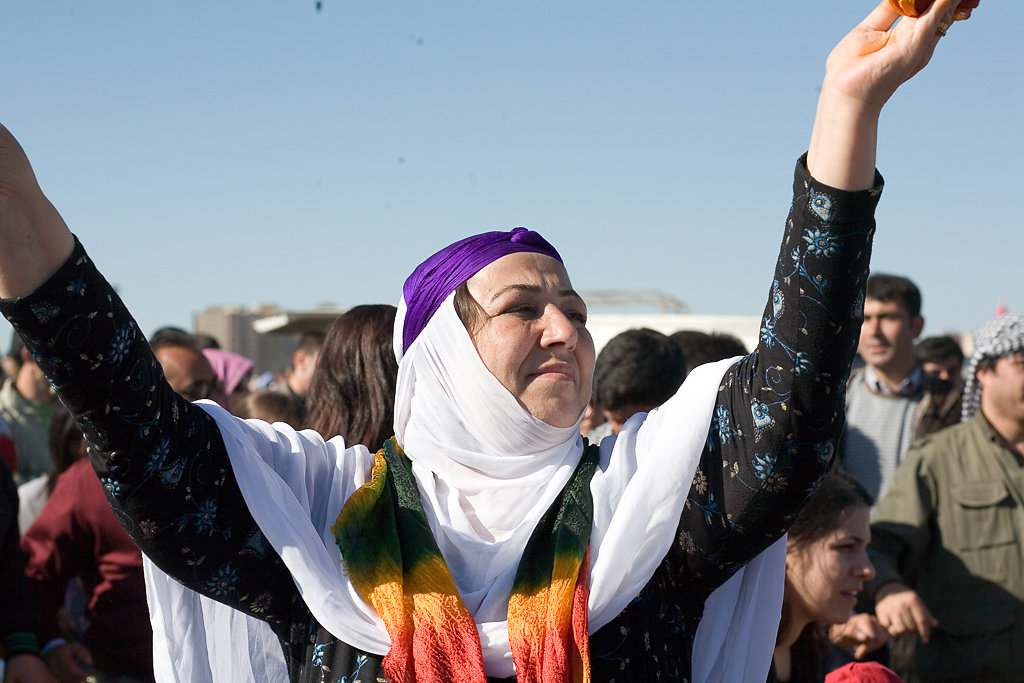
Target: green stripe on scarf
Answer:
[[564, 530]]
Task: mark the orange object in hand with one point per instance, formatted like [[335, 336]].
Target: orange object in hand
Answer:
[[915, 8]]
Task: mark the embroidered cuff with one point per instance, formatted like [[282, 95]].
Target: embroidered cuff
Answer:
[[827, 202]]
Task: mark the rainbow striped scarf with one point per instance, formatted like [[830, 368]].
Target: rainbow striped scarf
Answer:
[[394, 563]]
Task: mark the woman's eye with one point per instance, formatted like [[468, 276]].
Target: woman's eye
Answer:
[[521, 309], [577, 316]]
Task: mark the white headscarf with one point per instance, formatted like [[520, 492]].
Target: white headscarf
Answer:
[[487, 470]]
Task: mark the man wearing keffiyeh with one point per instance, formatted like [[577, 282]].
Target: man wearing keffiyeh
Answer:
[[944, 538]]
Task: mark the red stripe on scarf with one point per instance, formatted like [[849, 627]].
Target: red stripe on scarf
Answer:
[[443, 644], [580, 625]]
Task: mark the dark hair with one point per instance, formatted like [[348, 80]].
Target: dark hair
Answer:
[[935, 349], [173, 337], [703, 347], [65, 442], [206, 341], [467, 308], [352, 391], [639, 367], [825, 510], [986, 363], [885, 287]]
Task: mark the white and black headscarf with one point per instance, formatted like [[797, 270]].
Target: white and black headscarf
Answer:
[[998, 337]]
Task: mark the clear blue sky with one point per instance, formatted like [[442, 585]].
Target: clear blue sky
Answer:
[[238, 152]]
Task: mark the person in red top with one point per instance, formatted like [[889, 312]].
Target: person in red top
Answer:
[[77, 535], [7, 453]]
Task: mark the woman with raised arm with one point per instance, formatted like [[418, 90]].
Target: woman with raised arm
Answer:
[[487, 540]]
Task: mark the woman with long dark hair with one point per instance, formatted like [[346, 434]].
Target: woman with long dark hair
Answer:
[[352, 392], [826, 567]]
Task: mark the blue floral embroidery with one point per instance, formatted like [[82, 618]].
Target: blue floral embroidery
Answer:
[[768, 332], [111, 486], [45, 311], [764, 465], [121, 345], [710, 511], [224, 581], [821, 205], [318, 662], [801, 364], [205, 517], [172, 475], [820, 284], [822, 242], [722, 423], [778, 300], [157, 457], [351, 678], [762, 418]]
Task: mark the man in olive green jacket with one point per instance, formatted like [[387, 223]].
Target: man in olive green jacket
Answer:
[[945, 538]]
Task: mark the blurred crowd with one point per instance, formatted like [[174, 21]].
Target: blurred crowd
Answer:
[[906, 563]]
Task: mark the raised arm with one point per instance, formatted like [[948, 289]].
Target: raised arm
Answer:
[[861, 74], [781, 409], [161, 460], [34, 240]]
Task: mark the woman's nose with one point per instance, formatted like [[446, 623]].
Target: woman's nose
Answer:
[[865, 569], [558, 328]]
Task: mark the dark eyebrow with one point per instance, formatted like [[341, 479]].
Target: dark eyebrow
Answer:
[[533, 289]]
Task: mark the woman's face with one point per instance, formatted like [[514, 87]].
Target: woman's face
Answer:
[[824, 577], [533, 336]]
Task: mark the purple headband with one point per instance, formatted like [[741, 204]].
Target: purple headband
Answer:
[[441, 274]]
